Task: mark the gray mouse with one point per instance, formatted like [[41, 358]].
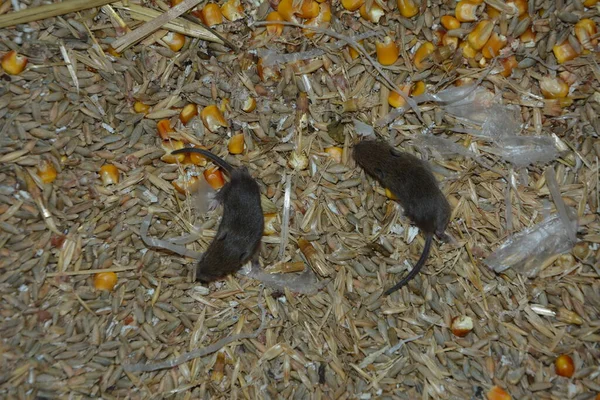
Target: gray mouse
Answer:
[[411, 181], [241, 228]]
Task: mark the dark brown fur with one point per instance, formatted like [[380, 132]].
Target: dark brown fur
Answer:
[[411, 181], [241, 229]]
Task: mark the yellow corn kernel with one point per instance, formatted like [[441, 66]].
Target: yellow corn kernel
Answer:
[[520, 6], [493, 45], [390, 195], [224, 105], [553, 87], [13, 63], [408, 8], [105, 281], [508, 64], [214, 177], [387, 51], [465, 10], [217, 372], [418, 88], [497, 393], [527, 36], [186, 184], [354, 54], [467, 50], [269, 226], [174, 40], [274, 29], [422, 55], [493, 13], [481, 34], [590, 3], [175, 2], [140, 107], [113, 52], [394, 98], [46, 171], [309, 9], [195, 158], [249, 104], [352, 5], [374, 13], [213, 118], [287, 10], [187, 113], [585, 29], [169, 146], [564, 52], [236, 144], [321, 20], [449, 22], [232, 10], [109, 174], [265, 73], [164, 128], [211, 15], [335, 153], [450, 41]]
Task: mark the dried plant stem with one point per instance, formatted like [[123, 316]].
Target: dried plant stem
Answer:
[[48, 11], [90, 271]]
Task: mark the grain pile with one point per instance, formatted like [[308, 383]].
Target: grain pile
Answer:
[[83, 140]]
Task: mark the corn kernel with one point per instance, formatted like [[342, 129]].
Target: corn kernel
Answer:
[[493, 13], [354, 54], [508, 64], [590, 3], [266, 73], [140, 107], [164, 128], [564, 366], [493, 46], [195, 158], [390, 195], [170, 146], [374, 13], [113, 52], [287, 10], [467, 50], [105, 281], [46, 171], [394, 98], [186, 184], [387, 51], [408, 8], [224, 105], [553, 87], [422, 55], [335, 153], [274, 29], [13, 63], [249, 104], [214, 177], [109, 174], [217, 372], [418, 88], [527, 36], [175, 2], [465, 10], [520, 6], [450, 41], [321, 20], [211, 15], [213, 118], [564, 52], [269, 226], [352, 5], [481, 34], [309, 9], [187, 113], [232, 10], [585, 29], [236, 144], [497, 393], [449, 22], [174, 40]]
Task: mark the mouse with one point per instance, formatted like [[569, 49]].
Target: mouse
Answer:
[[412, 183], [240, 232]]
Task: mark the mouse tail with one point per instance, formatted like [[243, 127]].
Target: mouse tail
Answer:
[[211, 156], [413, 272]]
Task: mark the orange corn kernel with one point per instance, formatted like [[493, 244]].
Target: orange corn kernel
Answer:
[[585, 29], [287, 10], [493, 46], [214, 177], [418, 88], [249, 105], [321, 20], [520, 6], [175, 2], [335, 153], [309, 9], [224, 105], [467, 50], [374, 13], [274, 29], [195, 158], [113, 52], [352, 5], [408, 8], [465, 10], [390, 195], [450, 41], [266, 73], [395, 99], [269, 226], [105, 281], [174, 40], [564, 366], [13, 63], [590, 3], [213, 118], [508, 64], [449, 22], [422, 54], [553, 87], [46, 171], [140, 107], [169, 146], [109, 174], [236, 144], [232, 10], [186, 184], [481, 34], [527, 36], [493, 13], [164, 128], [387, 51], [187, 113], [354, 54], [564, 52], [497, 393], [211, 15]]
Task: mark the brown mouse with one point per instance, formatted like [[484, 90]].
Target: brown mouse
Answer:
[[241, 228], [411, 181]]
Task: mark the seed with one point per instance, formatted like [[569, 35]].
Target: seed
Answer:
[[422, 55], [564, 366], [564, 52], [46, 171], [462, 325], [214, 177], [335, 153], [408, 8], [352, 5], [387, 51], [187, 113], [497, 393], [109, 174], [553, 87], [465, 10], [236, 144], [140, 107], [169, 146], [481, 34], [174, 40], [13, 63], [164, 128], [186, 184], [212, 118], [105, 281], [274, 29], [449, 22], [232, 10], [211, 15]]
